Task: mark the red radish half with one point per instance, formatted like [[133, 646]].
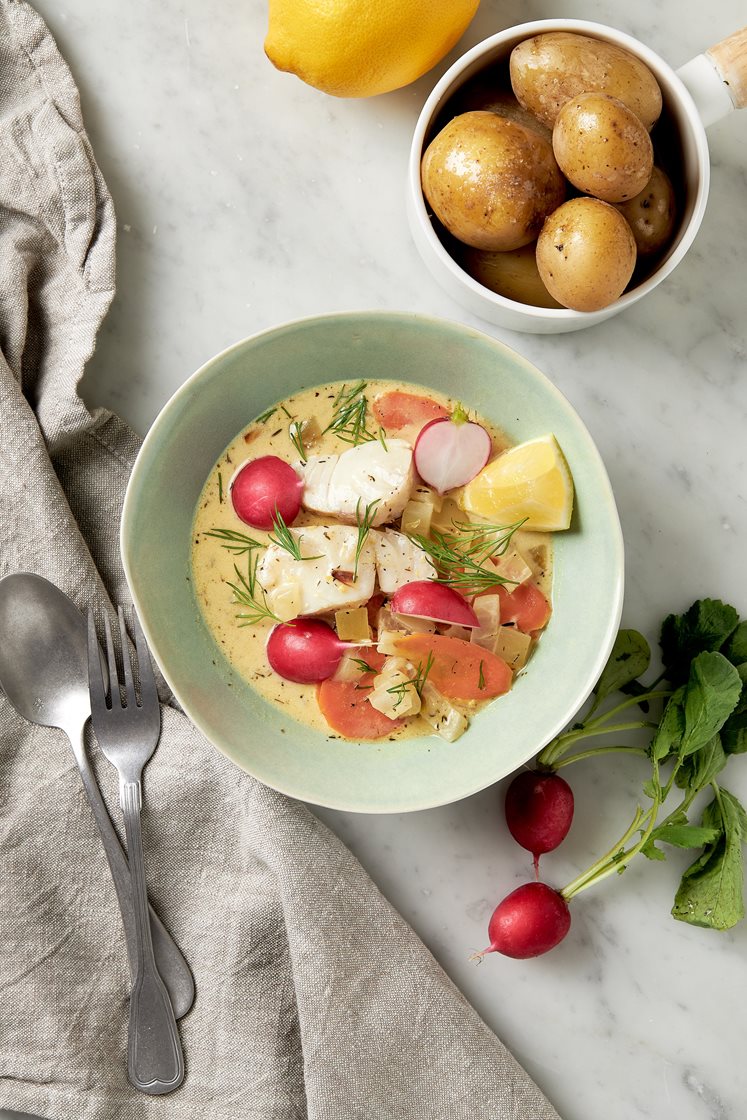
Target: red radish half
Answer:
[[450, 452], [423, 598], [304, 651], [531, 920], [263, 486]]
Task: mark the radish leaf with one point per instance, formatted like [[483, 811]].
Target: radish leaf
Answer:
[[706, 626], [710, 893], [712, 692], [677, 831], [734, 732], [630, 658], [700, 768], [735, 647], [671, 727]]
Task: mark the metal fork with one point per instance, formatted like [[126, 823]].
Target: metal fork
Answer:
[[128, 734]]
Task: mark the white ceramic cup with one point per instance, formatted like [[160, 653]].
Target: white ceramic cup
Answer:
[[699, 93]]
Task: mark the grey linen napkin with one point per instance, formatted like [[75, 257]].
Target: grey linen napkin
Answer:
[[314, 998]]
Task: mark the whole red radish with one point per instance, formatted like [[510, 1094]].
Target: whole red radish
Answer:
[[424, 598], [450, 451], [528, 922], [263, 487], [539, 811], [304, 651]]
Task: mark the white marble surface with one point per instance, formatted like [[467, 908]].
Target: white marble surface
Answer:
[[245, 199]]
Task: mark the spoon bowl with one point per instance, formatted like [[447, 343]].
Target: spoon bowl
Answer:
[[44, 653]]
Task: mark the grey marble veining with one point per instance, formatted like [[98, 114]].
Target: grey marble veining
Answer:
[[244, 199]]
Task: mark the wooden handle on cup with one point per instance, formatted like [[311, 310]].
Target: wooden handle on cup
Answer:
[[730, 59]]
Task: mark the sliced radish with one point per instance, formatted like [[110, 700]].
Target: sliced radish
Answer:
[[304, 651], [263, 487], [423, 598], [449, 452]]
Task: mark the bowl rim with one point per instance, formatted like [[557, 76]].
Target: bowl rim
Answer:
[[616, 589], [417, 207]]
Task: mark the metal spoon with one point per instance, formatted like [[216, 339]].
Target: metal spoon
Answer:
[[44, 674]]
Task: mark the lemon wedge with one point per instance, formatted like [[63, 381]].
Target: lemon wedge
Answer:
[[530, 481]]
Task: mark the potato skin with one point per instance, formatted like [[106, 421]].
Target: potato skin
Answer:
[[513, 274], [602, 147], [489, 96], [651, 214], [490, 181], [548, 70], [586, 254]]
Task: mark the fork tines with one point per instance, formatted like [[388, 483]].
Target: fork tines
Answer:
[[139, 689]]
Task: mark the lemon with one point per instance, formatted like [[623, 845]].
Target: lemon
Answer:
[[358, 48], [529, 481]]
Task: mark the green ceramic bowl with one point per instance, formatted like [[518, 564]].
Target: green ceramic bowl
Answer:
[[177, 455]]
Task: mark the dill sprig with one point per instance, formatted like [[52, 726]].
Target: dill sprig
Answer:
[[463, 557], [265, 416], [363, 666], [349, 419], [417, 682], [220, 487], [295, 431], [245, 595], [284, 538], [237, 543], [364, 527], [481, 677]]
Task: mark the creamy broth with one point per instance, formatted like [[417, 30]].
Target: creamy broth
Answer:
[[214, 566]]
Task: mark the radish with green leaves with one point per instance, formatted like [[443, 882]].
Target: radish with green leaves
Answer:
[[450, 451], [700, 724]]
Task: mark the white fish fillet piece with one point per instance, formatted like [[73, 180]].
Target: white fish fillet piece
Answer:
[[340, 485], [314, 581]]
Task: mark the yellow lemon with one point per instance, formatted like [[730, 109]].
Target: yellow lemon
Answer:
[[358, 48], [529, 481]]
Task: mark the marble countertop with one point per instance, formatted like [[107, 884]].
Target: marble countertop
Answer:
[[244, 199]]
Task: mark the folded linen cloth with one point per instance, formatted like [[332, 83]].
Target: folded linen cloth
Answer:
[[314, 999]]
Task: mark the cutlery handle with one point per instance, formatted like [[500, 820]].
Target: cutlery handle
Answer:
[[172, 966], [155, 1063]]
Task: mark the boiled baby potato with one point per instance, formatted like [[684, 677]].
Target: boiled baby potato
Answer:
[[548, 70], [513, 274], [602, 147], [586, 254], [490, 181], [651, 214], [485, 93]]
